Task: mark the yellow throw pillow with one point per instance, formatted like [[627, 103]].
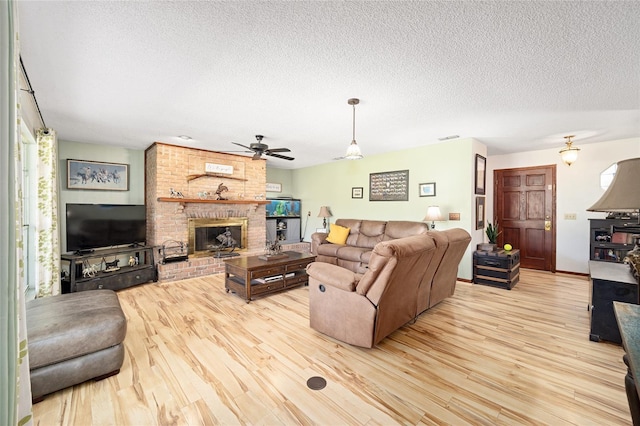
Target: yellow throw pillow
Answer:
[[338, 234]]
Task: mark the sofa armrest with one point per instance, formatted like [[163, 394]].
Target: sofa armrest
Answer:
[[334, 276], [317, 238]]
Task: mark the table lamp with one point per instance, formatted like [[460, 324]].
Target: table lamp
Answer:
[[324, 214], [433, 214]]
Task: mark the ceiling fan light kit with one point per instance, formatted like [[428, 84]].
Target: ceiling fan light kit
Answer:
[[569, 153], [353, 151]]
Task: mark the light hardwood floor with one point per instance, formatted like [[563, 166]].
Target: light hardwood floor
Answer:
[[197, 355]]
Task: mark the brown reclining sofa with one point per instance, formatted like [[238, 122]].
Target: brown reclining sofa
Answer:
[[362, 300]]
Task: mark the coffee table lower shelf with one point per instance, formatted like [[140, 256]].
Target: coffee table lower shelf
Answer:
[[249, 277]]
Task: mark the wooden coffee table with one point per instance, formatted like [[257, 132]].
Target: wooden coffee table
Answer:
[[251, 276]]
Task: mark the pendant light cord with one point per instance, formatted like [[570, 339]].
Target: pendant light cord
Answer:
[[354, 123]]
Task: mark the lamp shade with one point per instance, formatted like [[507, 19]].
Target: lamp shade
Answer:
[[623, 195], [324, 212], [433, 213], [353, 152], [569, 153]]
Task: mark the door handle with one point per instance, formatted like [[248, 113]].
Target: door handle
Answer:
[[547, 225]]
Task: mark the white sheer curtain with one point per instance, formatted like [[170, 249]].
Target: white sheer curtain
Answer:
[[15, 388], [48, 251]]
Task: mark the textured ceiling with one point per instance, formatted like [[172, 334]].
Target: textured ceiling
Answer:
[[517, 76]]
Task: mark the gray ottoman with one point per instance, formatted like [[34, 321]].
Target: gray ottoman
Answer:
[[73, 338]]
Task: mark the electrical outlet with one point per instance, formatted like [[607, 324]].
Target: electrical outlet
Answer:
[[309, 214], [570, 216]]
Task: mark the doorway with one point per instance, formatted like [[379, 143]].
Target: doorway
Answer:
[[525, 209]]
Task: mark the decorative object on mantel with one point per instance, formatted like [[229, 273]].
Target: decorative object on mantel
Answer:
[[175, 194], [569, 153], [184, 201], [221, 188]]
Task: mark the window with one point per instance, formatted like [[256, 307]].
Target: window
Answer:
[[607, 176]]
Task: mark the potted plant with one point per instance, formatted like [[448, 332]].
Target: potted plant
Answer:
[[492, 233]]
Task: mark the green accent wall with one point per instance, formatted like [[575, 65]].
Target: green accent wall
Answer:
[[449, 164]]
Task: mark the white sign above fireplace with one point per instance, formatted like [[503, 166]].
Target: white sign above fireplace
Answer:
[[218, 168]]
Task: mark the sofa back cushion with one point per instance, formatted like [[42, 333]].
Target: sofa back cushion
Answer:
[[396, 269], [371, 233], [402, 228], [444, 280], [354, 229]]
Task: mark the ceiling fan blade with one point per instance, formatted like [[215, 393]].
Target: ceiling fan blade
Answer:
[[278, 150], [244, 146], [284, 157]]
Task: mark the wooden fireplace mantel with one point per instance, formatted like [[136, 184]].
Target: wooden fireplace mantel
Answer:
[[204, 200]]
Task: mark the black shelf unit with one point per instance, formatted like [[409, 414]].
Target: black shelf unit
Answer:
[[611, 239], [126, 276]]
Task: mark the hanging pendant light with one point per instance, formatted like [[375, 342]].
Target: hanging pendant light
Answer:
[[353, 152], [569, 153]]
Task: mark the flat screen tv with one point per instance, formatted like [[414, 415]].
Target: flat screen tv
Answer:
[[91, 226]]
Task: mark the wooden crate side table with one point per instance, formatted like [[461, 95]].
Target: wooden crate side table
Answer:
[[499, 268], [251, 276]]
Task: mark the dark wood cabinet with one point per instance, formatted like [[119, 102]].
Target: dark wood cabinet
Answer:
[[611, 239], [497, 268], [609, 282], [135, 266]]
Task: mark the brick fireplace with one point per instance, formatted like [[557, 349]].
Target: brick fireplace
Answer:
[[185, 170]]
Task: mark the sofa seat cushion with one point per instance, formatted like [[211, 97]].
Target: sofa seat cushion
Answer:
[[354, 254], [70, 325]]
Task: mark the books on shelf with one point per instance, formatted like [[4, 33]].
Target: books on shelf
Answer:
[[274, 277]]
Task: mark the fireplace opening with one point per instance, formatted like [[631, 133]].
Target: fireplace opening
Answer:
[[217, 237]]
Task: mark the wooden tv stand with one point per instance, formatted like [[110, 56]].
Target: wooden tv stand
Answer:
[[125, 276], [249, 276]]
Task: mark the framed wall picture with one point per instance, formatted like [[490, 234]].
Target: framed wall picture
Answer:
[[479, 212], [389, 186], [427, 189], [481, 174], [274, 187], [356, 192], [97, 175]]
